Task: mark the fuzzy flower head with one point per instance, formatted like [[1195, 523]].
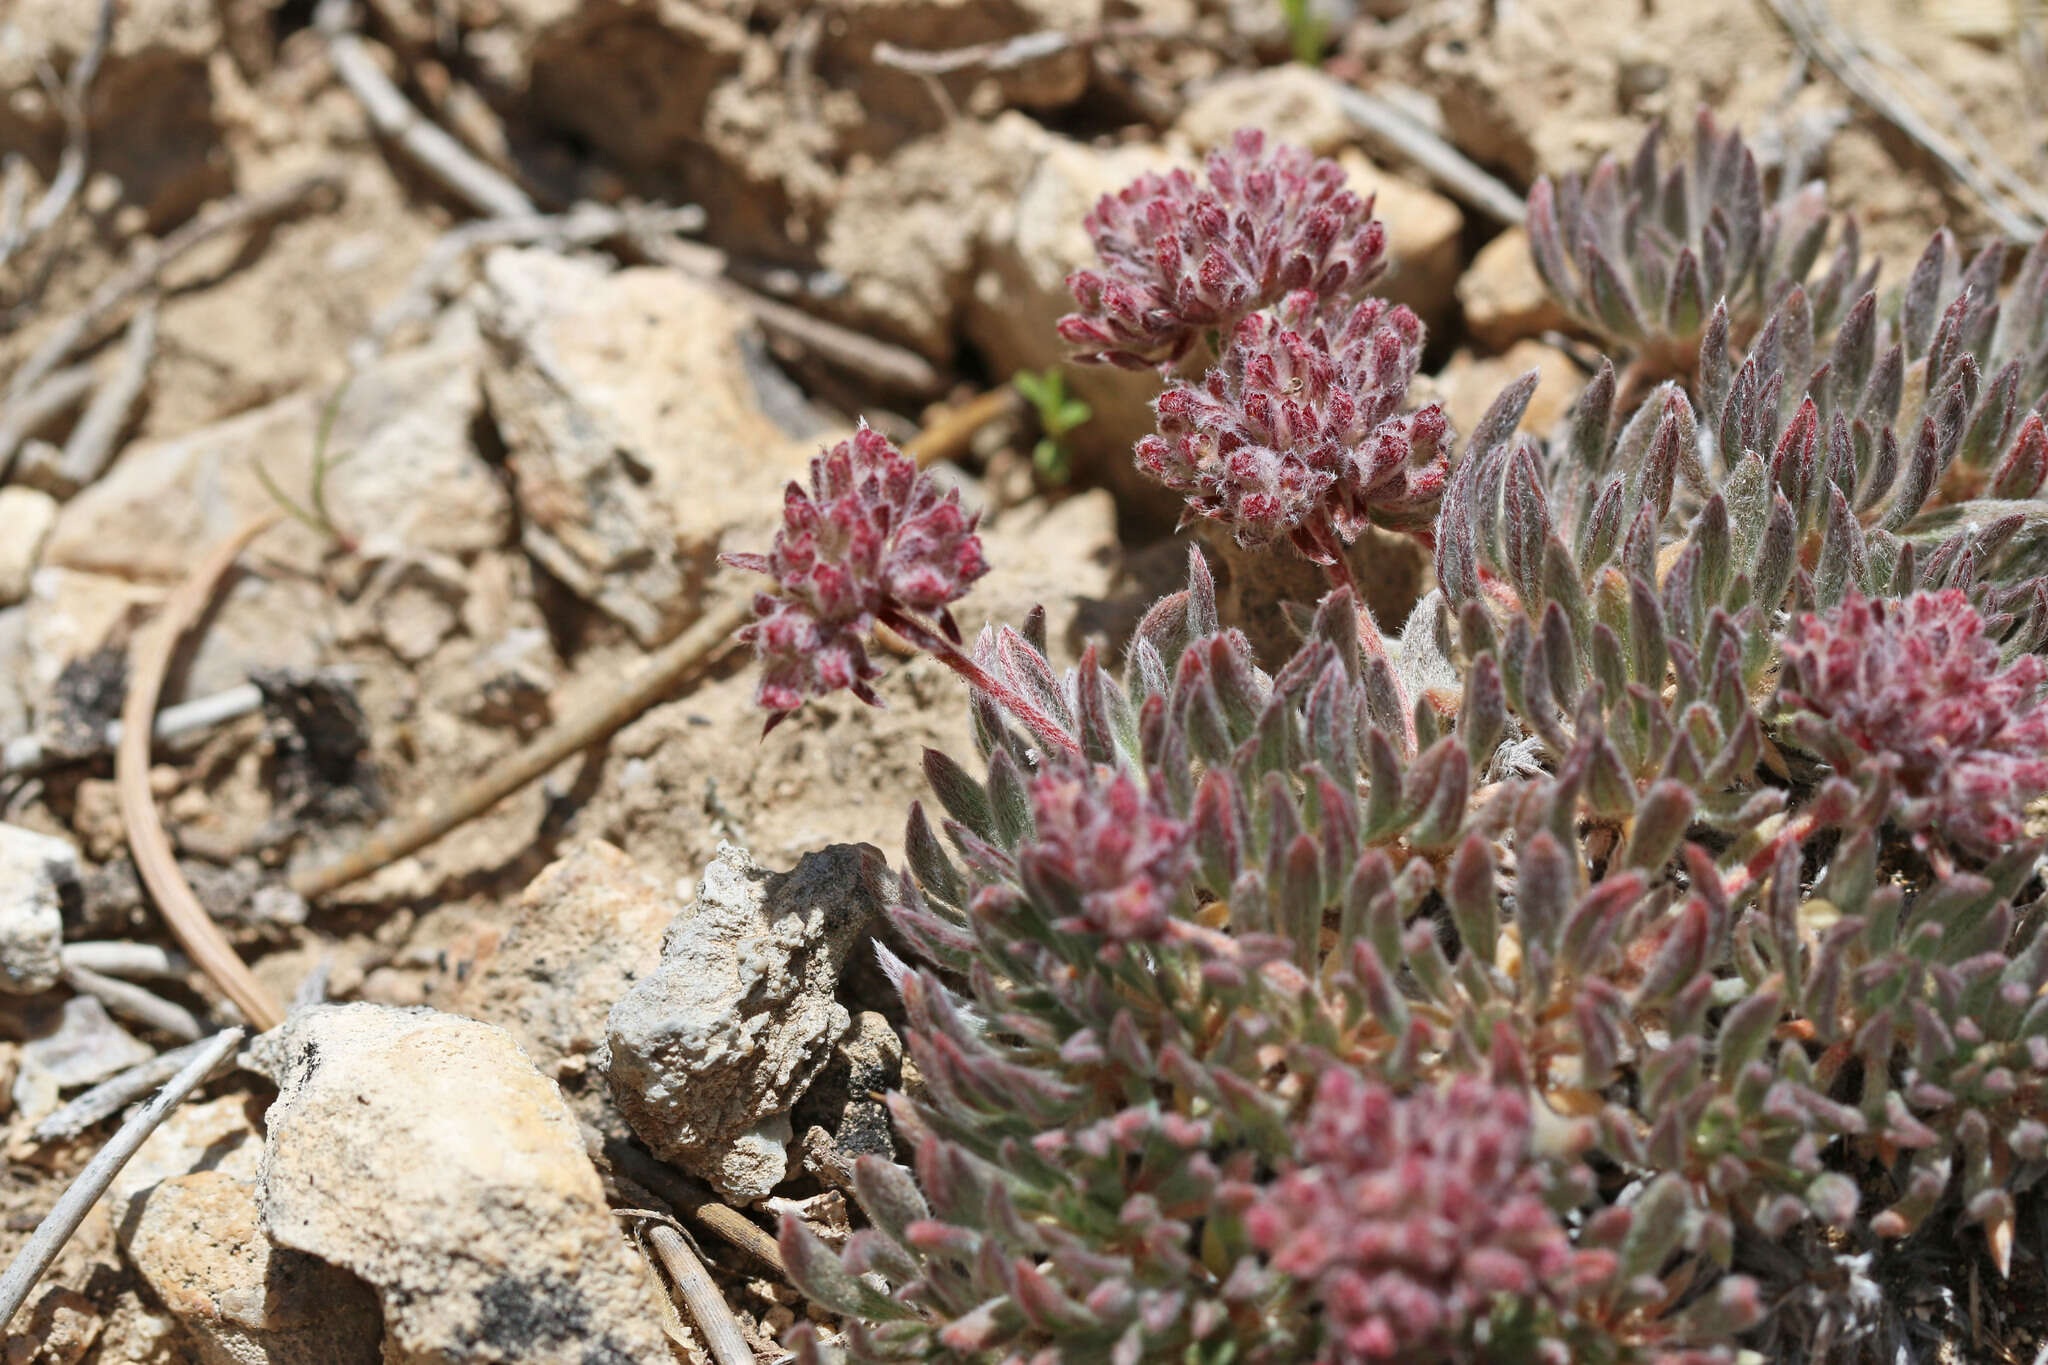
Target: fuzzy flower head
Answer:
[[1179, 258], [871, 540], [1916, 686], [1410, 1215], [1298, 432], [1109, 852]]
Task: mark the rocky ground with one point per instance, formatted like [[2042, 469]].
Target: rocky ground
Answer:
[[534, 448]]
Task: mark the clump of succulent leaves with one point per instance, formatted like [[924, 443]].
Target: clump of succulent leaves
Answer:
[[1635, 957]]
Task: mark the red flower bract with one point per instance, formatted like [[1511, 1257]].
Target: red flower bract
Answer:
[[1109, 851], [1180, 258], [871, 539], [1916, 686], [1409, 1215], [1300, 432]]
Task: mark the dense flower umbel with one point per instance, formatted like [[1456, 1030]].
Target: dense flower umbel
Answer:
[[872, 538], [1180, 258], [1411, 1215], [1110, 851], [1299, 433], [1917, 685]]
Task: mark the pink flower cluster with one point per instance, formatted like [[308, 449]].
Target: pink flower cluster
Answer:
[[1298, 432], [1410, 1215], [1917, 686], [872, 539], [1109, 850], [1181, 258]]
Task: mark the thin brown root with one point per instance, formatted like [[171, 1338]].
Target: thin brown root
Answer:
[[150, 661]]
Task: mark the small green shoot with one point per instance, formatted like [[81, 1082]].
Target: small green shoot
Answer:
[[1058, 414], [314, 512], [1305, 30]]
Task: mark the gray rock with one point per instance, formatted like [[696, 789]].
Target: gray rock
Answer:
[[708, 1054], [37, 872], [422, 1152], [846, 1120], [633, 428], [74, 1045]]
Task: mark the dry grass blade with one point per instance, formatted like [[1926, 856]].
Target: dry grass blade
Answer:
[[71, 1207], [666, 670], [195, 929], [700, 1296]]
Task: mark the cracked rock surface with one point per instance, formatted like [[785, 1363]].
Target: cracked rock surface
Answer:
[[708, 1054]]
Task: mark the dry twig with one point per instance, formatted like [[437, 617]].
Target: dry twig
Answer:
[[1824, 39], [116, 957], [1457, 174], [71, 95], [696, 1201], [659, 677], [668, 667], [23, 415], [114, 1094], [151, 659], [141, 273], [71, 1207], [27, 753], [91, 444], [700, 1296], [393, 116], [892, 366], [131, 1001]]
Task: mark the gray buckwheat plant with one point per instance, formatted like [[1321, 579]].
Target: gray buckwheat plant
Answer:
[[1637, 957]]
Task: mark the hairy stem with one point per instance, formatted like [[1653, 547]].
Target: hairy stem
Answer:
[[1044, 727]]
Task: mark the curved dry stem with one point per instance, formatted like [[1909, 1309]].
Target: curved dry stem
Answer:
[[150, 660]]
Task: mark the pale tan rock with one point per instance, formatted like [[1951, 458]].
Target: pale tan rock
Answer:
[[1020, 293], [1503, 296], [585, 930], [37, 872], [492, 1239], [633, 426], [27, 516], [1424, 253], [198, 1240], [410, 479], [59, 1325], [1469, 384], [1290, 103], [905, 232], [185, 1210]]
